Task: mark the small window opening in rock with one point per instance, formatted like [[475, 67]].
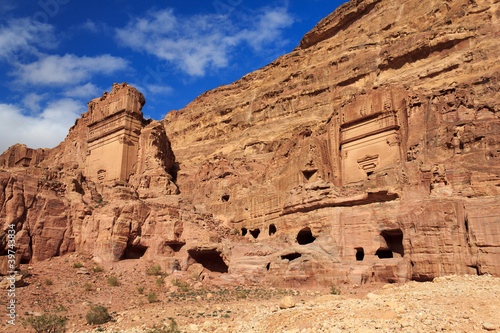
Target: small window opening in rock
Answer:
[[244, 231], [305, 236], [291, 256], [210, 259], [476, 268], [394, 240], [272, 229], [255, 233], [384, 254], [422, 278], [225, 198], [268, 266], [176, 247], [308, 173], [134, 252], [360, 254], [25, 260]]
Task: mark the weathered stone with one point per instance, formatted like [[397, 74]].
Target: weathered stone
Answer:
[[114, 129], [490, 327], [194, 271], [9, 281], [287, 302], [369, 154]]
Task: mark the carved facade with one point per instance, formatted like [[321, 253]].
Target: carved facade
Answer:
[[113, 133]]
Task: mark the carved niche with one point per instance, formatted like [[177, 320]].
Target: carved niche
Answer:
[[369, 140]]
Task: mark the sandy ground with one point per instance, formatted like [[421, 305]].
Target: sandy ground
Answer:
[[449, 304]]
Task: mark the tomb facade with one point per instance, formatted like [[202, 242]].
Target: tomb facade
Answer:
[[369, 136], [114, 128]]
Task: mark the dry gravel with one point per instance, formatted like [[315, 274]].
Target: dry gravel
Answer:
[[448, 304]]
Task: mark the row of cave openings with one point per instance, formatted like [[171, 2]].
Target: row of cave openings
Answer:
[[394, 244], [211, 259], [304, 236]]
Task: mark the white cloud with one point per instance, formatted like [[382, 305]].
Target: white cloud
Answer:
[[24, 36], [67, 69], [32, 101], [201, 42], [44, 130], [90, 26], [159, 89], [88, 90], [267, 29]]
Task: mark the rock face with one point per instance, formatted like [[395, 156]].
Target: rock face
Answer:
[[370, 153]]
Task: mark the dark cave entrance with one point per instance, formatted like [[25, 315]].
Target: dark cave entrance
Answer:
[[360, 254], [244, 231], [291, 256], [384, 253], [210, 259], [272, 229], [308, 174], [255, 233], [176, 246], [394, 240], [305, 236], [134, 252]]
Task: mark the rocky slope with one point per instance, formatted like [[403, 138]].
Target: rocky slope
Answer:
[[370, 153], [451, 303]]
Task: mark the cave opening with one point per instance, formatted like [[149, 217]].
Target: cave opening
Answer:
[[134, 252], [268, 266], [176, 246], [291, 256], [422, 277], [255, 233], [305, 236], [384, 253], [272, 229], [25, 260], [308, 174], [244, 231], [360, 254], [225, 198], [394, 240], [210, 259]]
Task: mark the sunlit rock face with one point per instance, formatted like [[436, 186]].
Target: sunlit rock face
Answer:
[[369, 153]]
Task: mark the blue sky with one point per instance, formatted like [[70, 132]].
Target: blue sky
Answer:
[[56, 55]]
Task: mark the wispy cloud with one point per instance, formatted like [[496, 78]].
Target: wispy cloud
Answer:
[[45, 129], [159, 89], [32, 101], [91, 26], [67, 69], [22, 36], [88, 90], [201, 42]]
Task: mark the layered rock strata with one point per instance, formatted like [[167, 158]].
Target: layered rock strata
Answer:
[[370, 153]]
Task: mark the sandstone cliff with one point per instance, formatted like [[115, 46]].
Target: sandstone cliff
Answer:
[[369, 153]]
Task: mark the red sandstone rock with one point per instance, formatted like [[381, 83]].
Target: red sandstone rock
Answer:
[[370, 153]]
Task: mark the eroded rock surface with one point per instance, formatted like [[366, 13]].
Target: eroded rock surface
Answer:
[[369, 153]]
